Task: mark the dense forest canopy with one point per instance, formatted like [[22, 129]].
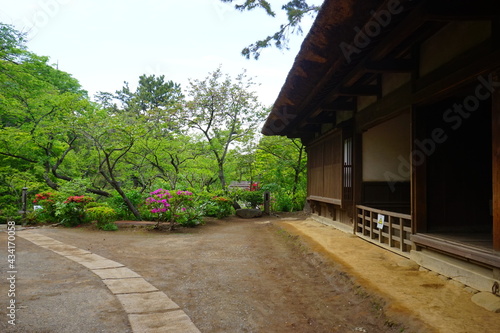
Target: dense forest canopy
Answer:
[[120, 146]]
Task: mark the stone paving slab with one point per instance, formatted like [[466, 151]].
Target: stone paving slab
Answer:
[[129, 286], [146, 302], [488, 301], [93, 261], [35, 237], [45, 243], [115, 273], [66, 250], [174, 321]]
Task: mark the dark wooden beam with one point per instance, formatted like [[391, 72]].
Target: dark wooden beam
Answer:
[[392, 66], [306, 129], [323, 118], [340, 106], [453, 10], [370, 90]]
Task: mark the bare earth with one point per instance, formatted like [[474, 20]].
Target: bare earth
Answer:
[[230, 275]]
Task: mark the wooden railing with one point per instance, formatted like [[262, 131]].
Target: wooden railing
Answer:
[[395, 233]]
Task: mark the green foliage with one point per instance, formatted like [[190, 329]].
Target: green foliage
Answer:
[[154, 97], [71, 212], [282, 163], [110, 226], [93, 204], [118, 204], [38, 107], [54, 139], [101, 215], [249, 199], [225, 111], [9, 213], [75, 187], [218, 206], [12, 41], [283, 200]]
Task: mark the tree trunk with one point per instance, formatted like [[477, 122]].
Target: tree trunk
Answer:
[[98, 192], [118, 189], [129, 203], [50, 183], [222, 178]]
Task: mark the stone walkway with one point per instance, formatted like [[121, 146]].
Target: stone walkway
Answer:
[[149, 310]]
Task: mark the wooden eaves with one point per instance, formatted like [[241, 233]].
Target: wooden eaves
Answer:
[[323, 81]]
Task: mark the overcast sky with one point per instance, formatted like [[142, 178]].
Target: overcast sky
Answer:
[[103, 43]]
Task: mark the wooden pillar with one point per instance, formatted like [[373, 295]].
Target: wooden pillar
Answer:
[[357, 178], [496, 164], [418, 179]]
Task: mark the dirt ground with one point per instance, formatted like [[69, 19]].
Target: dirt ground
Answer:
[[234, 275]]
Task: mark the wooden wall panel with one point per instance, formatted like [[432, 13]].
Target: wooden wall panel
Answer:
[[325, 172], [315, 180]]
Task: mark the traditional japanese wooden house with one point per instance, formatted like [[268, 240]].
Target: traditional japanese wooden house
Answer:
[[398, 103]]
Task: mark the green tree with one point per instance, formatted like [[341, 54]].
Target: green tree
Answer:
[[155, 99], [225, 111], [131, 131], [113, 139], [38, 108], [283, 162]]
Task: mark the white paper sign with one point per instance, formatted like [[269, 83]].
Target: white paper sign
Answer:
[[380, 221]]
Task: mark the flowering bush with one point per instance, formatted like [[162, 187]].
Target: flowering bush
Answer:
[[47, 200], [79, 199], [71, 212], [254, 187], [176, 207], [219, 207], [44, 197]]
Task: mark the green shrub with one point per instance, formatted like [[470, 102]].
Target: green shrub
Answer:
[[110, 226], [146, 214], [93, 204], [218, 206], [101, 215], [10, 213], [284, 202], [118, 204], [191, 217], [71, 212], [249, 199]]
